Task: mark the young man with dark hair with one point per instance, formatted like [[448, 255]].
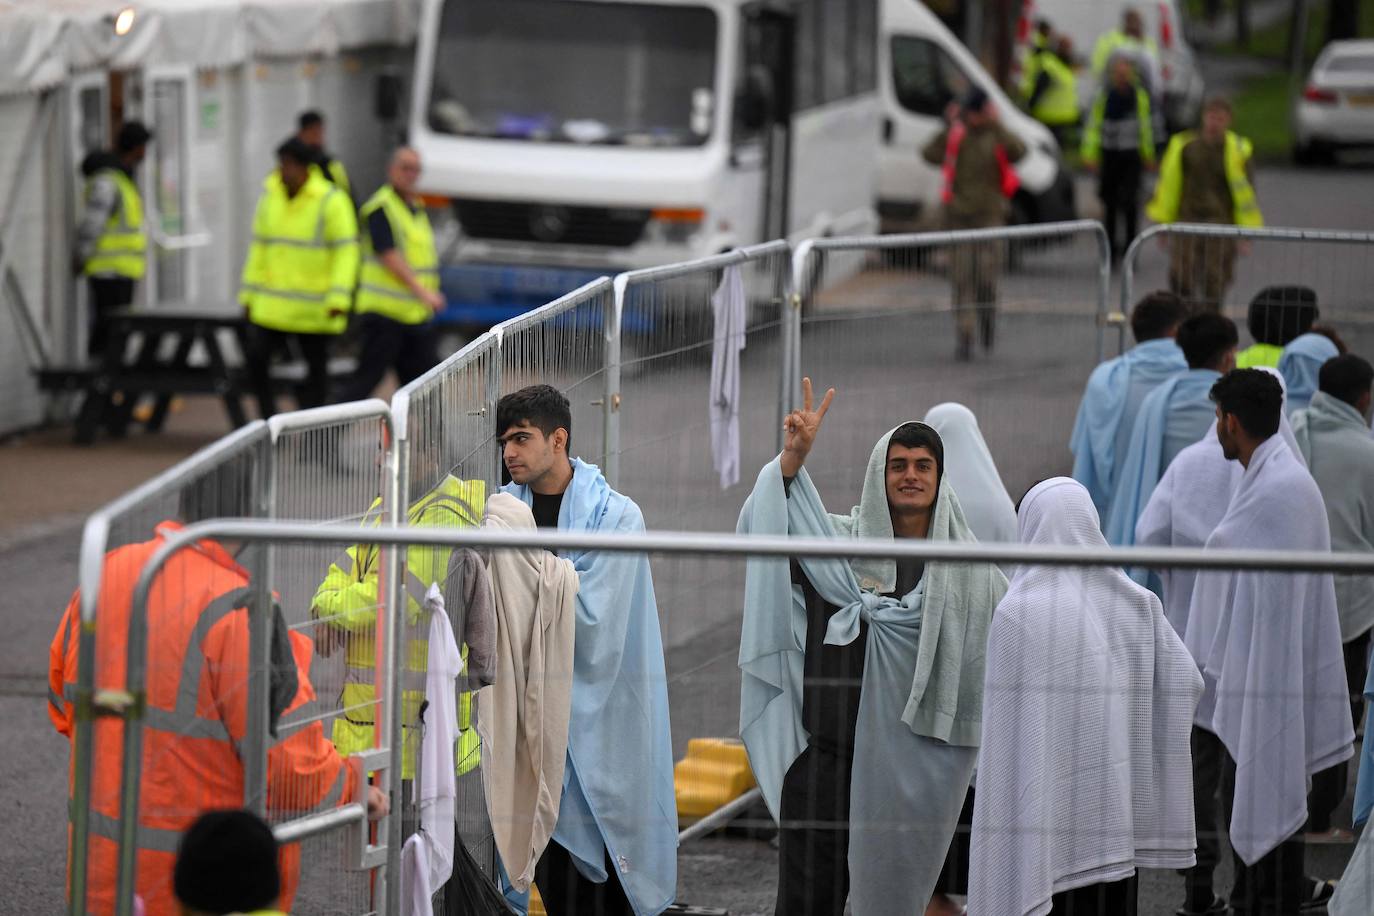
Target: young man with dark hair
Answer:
[[1117, 388], [1333, 434], [1174, 416], [1273, 711], [227, 863], [310, 131], [867, 794], [1278, 316], [614, 848]]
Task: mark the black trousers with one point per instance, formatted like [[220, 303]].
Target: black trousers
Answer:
[[1119, 189], [813, 840], [1273, 886], [1116, 898], [566, 892], [388, 344], [1328, 786], [107, 295], [263, 343]]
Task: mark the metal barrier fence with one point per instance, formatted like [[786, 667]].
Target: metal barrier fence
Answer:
[[879, 319], [725, 871], [1226, 266]]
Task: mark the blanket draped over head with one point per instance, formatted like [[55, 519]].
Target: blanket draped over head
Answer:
[[618, 783], [1106, 415], [1269, 647], [1300, 364], [1085, 772], [920, 713], [973, 474]]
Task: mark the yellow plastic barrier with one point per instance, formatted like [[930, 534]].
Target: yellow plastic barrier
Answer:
[[714, 772]]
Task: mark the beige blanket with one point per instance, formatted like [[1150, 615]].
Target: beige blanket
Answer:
[[523, 716]]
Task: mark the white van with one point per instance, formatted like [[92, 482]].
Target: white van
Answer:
[[1085, 21], [922, 67], [572, 138]]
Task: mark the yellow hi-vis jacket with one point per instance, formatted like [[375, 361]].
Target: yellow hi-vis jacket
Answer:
[[1117, 40], [1091, 147], [348, 600], [1168, 192], [123, 245], [1057, 106], [303, 262], [381, 291]]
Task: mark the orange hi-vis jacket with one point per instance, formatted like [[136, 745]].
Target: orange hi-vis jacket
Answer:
[[196, 717]]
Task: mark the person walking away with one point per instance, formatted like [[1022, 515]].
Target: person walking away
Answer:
[[197, 646], [298, 281], [226, 864], [1128, 41], [398, 286], [614, 846], [1119, 145], [861, 683], [112, 239], [976, 153], [310, 131], [1278, 315], [1333, 434], [1082, 668], [1206, 177], [1116, 389], [1274, 710], [1050, 88]]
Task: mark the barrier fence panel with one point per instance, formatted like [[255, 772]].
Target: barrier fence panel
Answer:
[[878, 321], [702, 362], [1081, 668], [332, 465], [227, 478], [1227, 266]]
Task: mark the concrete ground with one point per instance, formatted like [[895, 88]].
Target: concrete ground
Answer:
[[887, 366]]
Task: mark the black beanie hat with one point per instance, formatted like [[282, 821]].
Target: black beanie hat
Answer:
[[227, 863]]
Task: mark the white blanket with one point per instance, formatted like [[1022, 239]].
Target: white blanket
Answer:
[[973, 474], [731, 316], [523, 716], [1085, 772], [1269, 646]]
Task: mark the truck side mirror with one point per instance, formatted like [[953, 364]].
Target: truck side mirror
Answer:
[[386, 96]]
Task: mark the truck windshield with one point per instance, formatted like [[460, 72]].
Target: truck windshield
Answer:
[[570, 71]]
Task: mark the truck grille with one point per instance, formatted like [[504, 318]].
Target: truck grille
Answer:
[[617, 227]]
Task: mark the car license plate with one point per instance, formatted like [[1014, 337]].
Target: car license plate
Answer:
[[1361, 100]]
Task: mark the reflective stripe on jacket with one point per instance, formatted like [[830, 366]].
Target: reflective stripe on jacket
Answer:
[[1133, 133], [303, 261], [381, 291], [123, 244], [1163, 208], [195, 719], [348, 600]]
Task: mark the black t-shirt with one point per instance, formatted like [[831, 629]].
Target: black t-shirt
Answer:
[[380, 231], [546, 509]]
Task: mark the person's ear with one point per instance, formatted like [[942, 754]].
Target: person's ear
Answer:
[[560, 440]]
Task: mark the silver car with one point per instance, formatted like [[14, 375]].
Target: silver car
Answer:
[[1336, 108]]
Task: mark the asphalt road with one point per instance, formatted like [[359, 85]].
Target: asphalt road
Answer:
[[884, 340]]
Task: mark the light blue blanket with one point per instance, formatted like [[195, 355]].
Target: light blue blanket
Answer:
[[618, 782], [1174, 416], [1299, 365], [920, 713], [1106, 415]]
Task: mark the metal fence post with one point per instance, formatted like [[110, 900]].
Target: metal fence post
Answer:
[[260, 643], [612, 406], [390, 660], [1104, 290], [791, 388]]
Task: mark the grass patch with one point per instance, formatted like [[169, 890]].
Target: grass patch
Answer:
[[1262, 112], [1271, 42]]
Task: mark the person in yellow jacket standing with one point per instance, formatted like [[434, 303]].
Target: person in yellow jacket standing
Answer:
[[298, 280], [1205, 177], [1119, 145], [398, 289], [111, 241], [1050, 88]]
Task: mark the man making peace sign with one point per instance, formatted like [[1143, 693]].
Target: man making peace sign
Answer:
[[860, 707]]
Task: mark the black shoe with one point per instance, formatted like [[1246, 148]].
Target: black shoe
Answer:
[[1318, 896], [1218, 908]]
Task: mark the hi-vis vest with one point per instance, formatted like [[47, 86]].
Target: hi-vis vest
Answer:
[[1058, 104], [303, 262], [1245, 210], [379, 290], [123, 245], [1117, 139], [348, 600]]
